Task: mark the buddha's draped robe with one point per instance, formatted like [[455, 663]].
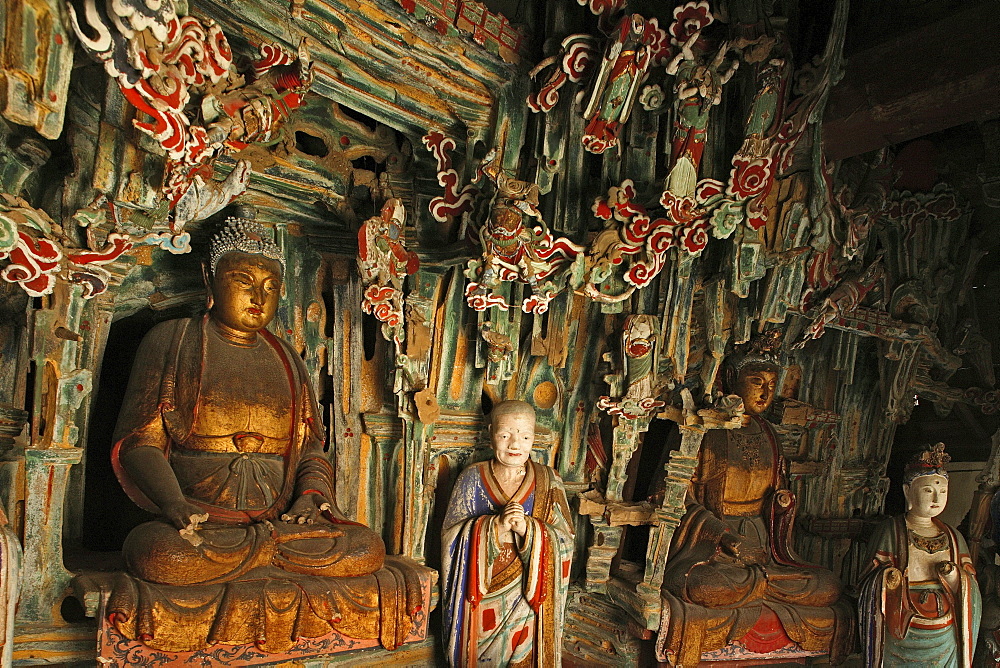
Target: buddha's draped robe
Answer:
[[504, 602], [925, 623], [253, 578], [712, 597]]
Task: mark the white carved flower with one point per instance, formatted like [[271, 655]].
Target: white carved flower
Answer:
[[651, 97]]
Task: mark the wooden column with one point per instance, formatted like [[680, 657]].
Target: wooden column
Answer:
[[43, 576]]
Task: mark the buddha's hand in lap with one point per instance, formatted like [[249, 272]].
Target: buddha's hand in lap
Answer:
[[730, 545], [183, 514], [307, 509]]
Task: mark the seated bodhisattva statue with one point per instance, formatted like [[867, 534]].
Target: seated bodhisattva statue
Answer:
[[220, 436], [732, 574]]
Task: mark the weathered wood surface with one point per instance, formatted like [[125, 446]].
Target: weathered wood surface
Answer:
[[37, 60], [382, 61], [930, 79]]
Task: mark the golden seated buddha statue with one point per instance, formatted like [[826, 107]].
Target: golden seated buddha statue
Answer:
[[220, 436], [731, 562]]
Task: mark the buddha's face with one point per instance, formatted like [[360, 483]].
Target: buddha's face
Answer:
[[756, 387], [926, 495], [512, 436], [245, 291]]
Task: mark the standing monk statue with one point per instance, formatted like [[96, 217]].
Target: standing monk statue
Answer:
[[220, 436], [507, 545]]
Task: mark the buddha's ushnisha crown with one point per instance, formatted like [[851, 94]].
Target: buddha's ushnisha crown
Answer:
[[245, 236]]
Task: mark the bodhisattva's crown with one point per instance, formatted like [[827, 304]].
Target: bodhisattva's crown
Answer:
[[931, 460], [245, 236], [763, 349]]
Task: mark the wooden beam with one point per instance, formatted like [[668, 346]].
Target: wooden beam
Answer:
[[930, 79]]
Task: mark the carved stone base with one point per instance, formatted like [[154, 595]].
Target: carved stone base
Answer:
[[766, 643], [114, 649], [598, 633], [737, 652]]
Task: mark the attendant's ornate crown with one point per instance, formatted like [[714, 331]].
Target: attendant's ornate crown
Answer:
[[246, 236], [931, 460]]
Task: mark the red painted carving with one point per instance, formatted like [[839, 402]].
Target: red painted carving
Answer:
[[33, 263], [385, 262], [455, 200], [178, 68], [575, 60], [598, 7], [516, 250]]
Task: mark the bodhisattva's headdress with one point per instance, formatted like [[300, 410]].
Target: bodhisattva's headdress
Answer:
[[931, 460], [762, 351], [245, 236]]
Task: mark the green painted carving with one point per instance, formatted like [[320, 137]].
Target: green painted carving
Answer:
[[37, 62]]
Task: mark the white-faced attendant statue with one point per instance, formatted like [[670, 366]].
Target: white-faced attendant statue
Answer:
[[920, 602]]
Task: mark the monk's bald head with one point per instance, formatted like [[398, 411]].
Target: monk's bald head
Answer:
[[511, 408], [512, 433]]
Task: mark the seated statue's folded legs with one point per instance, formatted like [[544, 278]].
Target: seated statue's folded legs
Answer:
[[340, 550], [156, 552], [720, 585], [816, 587]]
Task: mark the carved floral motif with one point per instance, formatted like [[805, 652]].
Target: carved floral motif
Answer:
[[641, 242], [33, 263], [630, 408], [689, 19]]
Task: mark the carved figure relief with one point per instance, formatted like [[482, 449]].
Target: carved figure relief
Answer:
[[516, 250], [639, 381], [616, 87], [697, 88], [844, 298], [384, 263]]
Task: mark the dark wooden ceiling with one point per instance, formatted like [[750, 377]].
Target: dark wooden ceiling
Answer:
[[923, 78]]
